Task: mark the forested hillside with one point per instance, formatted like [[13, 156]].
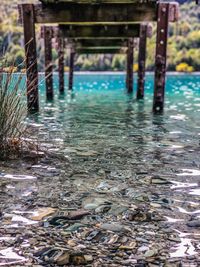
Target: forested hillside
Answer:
[[183, 46]]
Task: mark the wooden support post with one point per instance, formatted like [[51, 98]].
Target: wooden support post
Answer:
[[129, 69], [61, 63], [141, 61], [161, 53], [71, 69], [47, 31], [27, 11]]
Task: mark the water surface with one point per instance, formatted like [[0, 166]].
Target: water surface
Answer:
[[115, 145]]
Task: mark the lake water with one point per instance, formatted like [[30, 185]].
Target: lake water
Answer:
[[117, 150]]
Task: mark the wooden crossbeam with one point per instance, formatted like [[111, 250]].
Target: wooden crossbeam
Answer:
[[98, 43], [100, 31], [93, 1], [87, 32], [93, 50], [94, 13], [100, 47]]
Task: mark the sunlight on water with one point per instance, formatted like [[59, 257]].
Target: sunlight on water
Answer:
[[185, 248], [19, 177], [118, 151], [10, 257], [195, 192], [189, 172]]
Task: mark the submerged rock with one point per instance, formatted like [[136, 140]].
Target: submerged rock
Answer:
[[42, 213], [74, 227], [159, 180], [63, 259], [150, 253], [194, 223], [78, 214], [114, 227]]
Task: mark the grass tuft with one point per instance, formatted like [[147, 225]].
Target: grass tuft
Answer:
[[13, 112]]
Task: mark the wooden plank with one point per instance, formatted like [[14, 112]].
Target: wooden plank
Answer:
[[129, 69], [61, 64], [77, 13], [141, 61], [100, 31], [100, 47], [100, 51], [71, 68], [98, 43], [92, 1], [47, 32], [27, 11], [160, 60]]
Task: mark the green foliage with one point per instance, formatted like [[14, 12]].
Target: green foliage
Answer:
[[118, 62], [183, 42]]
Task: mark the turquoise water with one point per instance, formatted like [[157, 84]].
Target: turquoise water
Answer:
[[101, 129], [100, 100], [116, 149]]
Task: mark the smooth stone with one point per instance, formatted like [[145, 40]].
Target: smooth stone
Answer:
[[102, 209], [143, 248], [159, 180], [117, 210], [150, 253], [155, 205], [88, 258], [74, 227], [112, 227], [63, 259], [91, 206], [92, 203], [194, 223]]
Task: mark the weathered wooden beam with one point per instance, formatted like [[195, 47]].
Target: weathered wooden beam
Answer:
[[71, 68], [61, 64], [47, 32], [98, 43], [100, 51], [91, 1], [141, 61], [160, 57], [100, 31], [94, 13], [100, 47], [129, 68], [27, 11], [101, 13]]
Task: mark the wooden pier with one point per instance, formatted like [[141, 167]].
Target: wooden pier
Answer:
[[106, 26], [86, 42]]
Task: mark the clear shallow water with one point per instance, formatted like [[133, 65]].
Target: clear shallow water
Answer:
[[115, 145], [127, 138]]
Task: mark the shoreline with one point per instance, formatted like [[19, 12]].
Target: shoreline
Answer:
[[169, 73]]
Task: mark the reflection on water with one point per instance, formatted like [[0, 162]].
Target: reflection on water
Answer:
[[115, 144], [185, 248], [8, 257]]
